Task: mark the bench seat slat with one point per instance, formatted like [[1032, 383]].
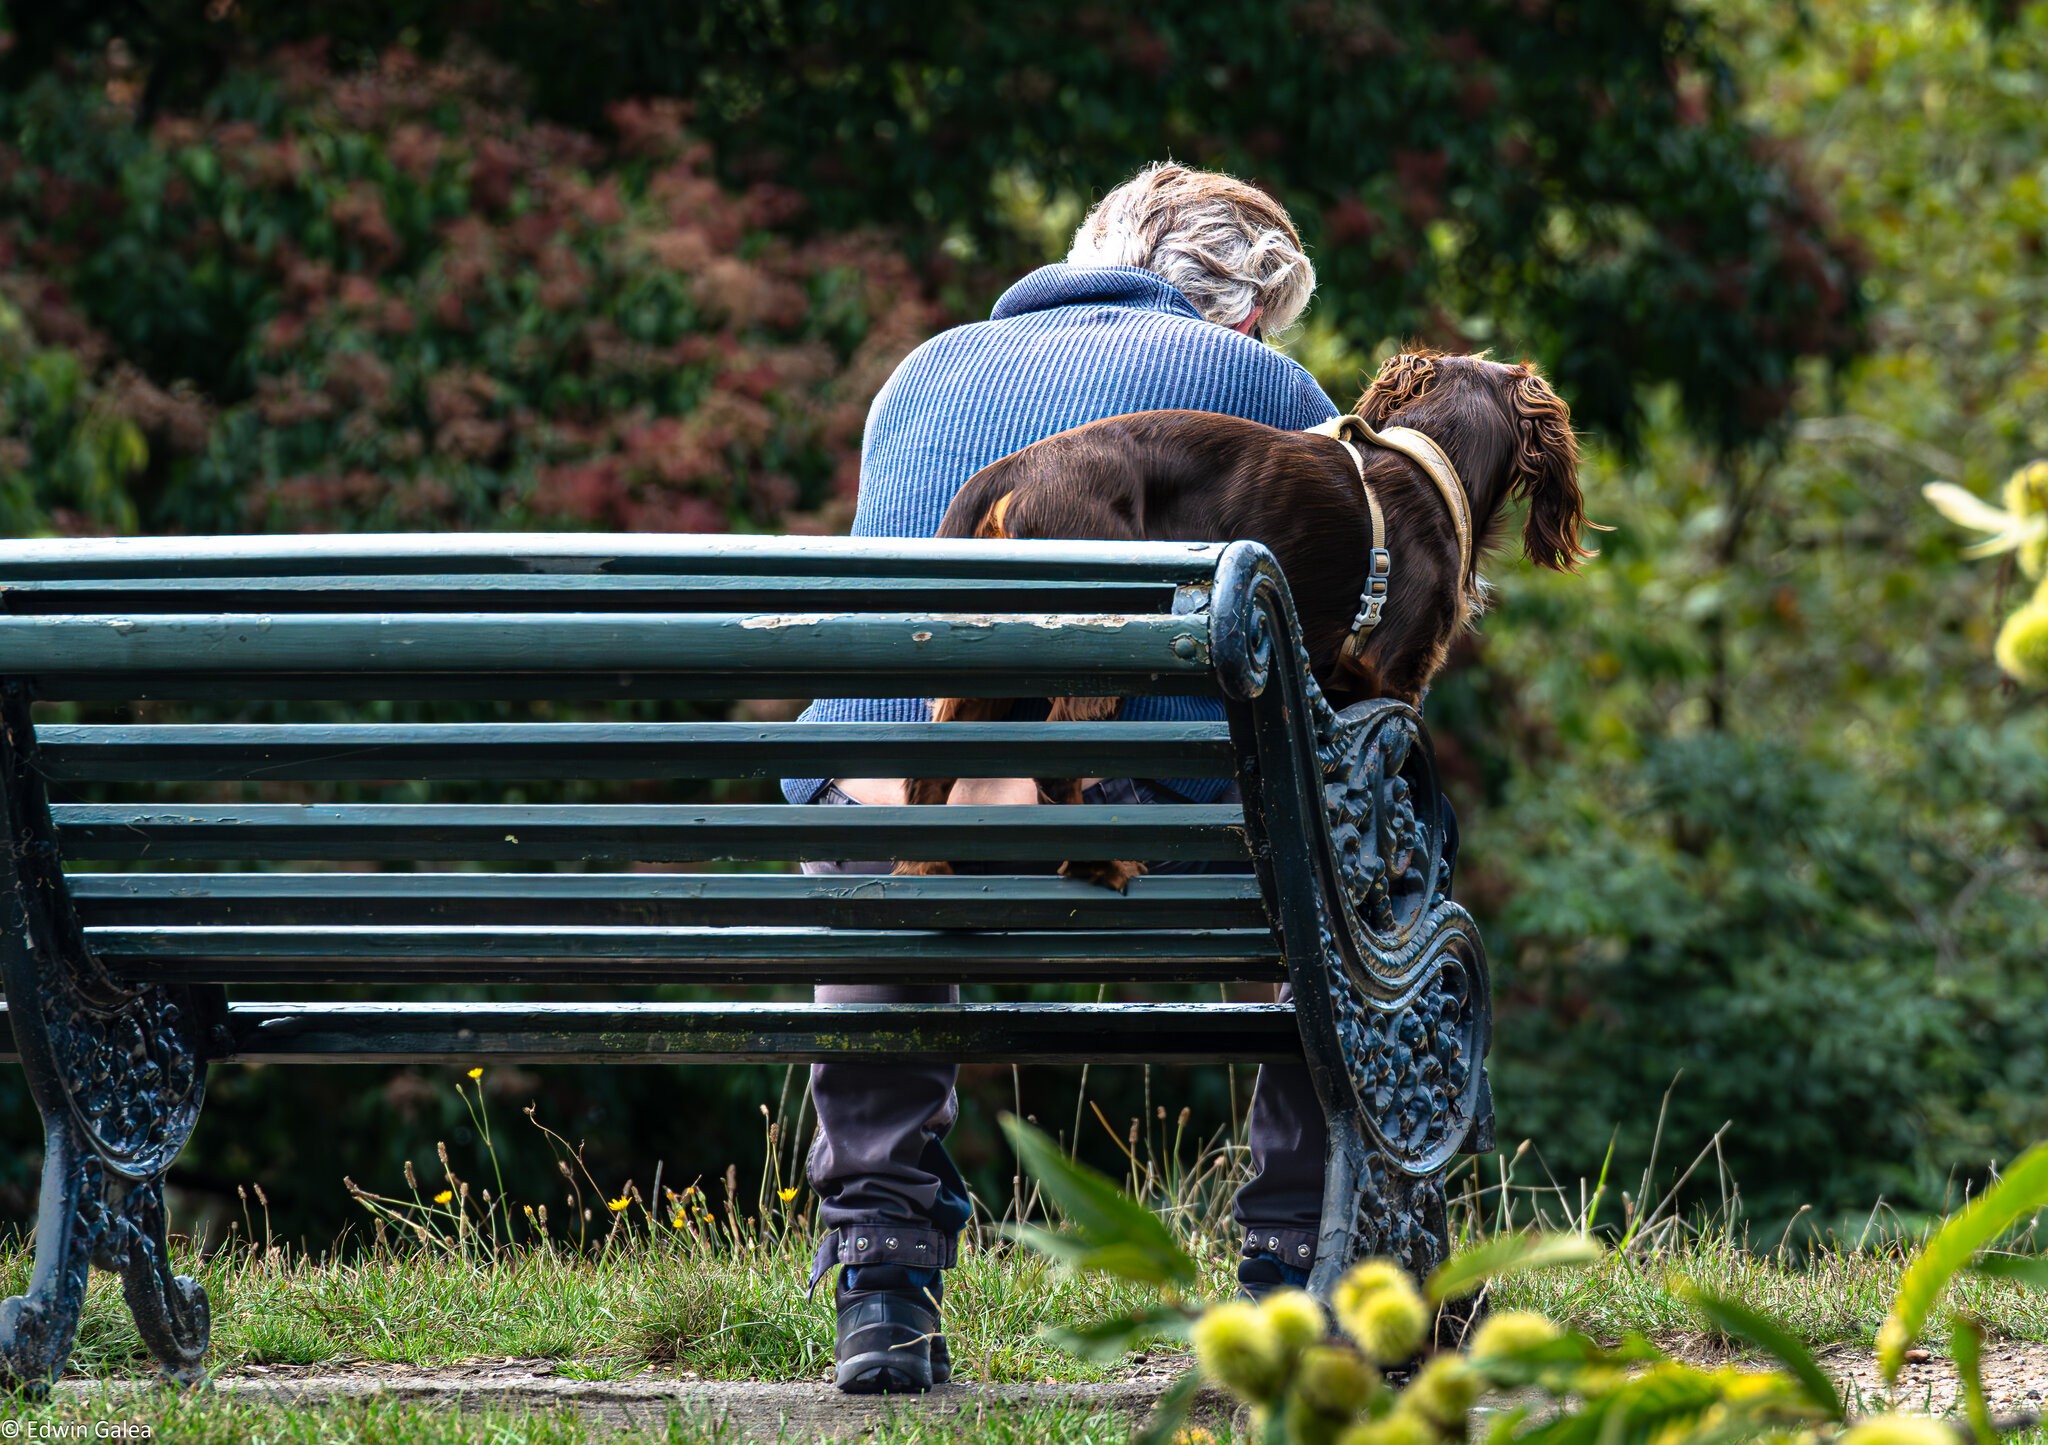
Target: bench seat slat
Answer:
[[767, 1033], [756, 1032], [526, 751], [773, 1033], [646, 832], [611, 955], [584, 899]]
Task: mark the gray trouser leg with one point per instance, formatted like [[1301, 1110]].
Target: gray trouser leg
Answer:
[[1280, 1209], [887, 1192]]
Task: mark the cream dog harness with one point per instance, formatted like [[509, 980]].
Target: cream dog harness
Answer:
[[1425, 453]]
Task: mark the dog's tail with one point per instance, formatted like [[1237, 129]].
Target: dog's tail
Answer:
[[980, 507]]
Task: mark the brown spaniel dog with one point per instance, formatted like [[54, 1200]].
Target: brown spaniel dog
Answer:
[[1197, 476]]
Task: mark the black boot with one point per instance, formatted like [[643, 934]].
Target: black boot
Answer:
[[889, 1340], [1260, 1275]]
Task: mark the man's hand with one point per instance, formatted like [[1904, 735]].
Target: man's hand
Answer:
[[991, 792], [980, 792]]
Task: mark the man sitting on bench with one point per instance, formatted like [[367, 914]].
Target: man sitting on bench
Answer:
[[1163, 302]]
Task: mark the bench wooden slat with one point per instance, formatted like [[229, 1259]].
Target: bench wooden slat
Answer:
[[556, 593], [593, 956], [528, 751], [1022, 1033], [859, 654], [529, 553], [646, 832], [709, 685], [1220, 900]]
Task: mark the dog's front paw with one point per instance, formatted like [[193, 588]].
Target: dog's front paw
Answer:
[[1117, 875], [920, 870]]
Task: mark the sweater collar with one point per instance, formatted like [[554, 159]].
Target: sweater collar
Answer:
[[1065, 285]]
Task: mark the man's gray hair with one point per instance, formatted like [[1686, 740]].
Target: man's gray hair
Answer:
[[1225, 245]]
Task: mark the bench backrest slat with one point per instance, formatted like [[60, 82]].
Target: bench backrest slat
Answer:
[[430, 592], [643, 832], [320, 752], [485, 554], [855, 654], [387, 900]]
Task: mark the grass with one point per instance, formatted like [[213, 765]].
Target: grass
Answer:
[[674, 1310], [1827, 1296], [735, 1315], [667, 1290], [742, 1313]]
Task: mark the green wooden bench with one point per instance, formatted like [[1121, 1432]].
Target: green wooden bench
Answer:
[[143, 928]]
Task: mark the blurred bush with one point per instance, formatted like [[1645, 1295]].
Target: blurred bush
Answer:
[[1749, 797], [412, 306], [1573, 177]]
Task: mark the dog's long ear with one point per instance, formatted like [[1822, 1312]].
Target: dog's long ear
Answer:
[[1403, 380], [1546, 473]]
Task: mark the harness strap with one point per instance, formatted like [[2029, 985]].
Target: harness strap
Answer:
[[1425, 453], [1421, 448]]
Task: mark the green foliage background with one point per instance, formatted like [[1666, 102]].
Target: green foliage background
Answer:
[[1747, 799], [1766, 810]]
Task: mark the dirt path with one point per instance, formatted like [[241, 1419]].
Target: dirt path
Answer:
[[2016, 1380], [754, 1411]]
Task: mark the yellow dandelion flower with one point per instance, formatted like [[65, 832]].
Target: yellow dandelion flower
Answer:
[[476, 1073], [785, 1195], [617, 1206], [678, 1222], [444, 1196]]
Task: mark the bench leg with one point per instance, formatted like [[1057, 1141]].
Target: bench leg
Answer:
[[37, 1328], [170, 1310], [87, 1217], [117, 1071], [90, 1214], [1373, 1211]]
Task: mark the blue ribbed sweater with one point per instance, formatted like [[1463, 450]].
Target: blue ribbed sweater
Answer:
[[1064, 346]]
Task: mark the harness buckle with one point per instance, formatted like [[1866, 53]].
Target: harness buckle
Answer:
[[1379, 567]]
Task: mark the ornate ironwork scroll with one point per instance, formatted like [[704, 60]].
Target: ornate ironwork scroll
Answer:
[[118, 1072], [1389, 974]]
